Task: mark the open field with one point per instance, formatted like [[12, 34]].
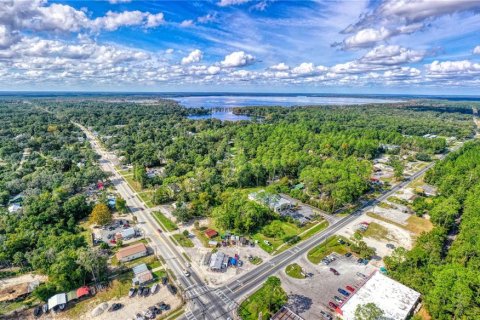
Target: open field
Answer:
[[164, 221]]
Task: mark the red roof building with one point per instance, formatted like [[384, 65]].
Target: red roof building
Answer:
[[210, 233]]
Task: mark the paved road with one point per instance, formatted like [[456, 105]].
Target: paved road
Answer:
[[162, 245], [204, 302], [233, 292]]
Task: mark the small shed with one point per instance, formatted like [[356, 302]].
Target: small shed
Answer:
[[210, 233]]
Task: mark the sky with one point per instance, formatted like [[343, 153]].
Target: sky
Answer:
[[345, 46]]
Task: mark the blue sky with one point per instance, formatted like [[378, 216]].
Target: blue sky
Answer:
[[389, 46]]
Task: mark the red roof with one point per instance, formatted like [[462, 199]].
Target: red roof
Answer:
[[210, 233], [82, 291]]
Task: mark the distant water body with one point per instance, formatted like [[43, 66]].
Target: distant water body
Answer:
[[283, 101]]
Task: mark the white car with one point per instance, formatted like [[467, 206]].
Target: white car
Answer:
[[186, 273]]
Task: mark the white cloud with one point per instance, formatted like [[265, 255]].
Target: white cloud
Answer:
[[169, 51], [280, 67], [213, 70], [227, 3], [366, 37], [114, 20], [154, 20], [119, 1], [238, 59], [7, 37], [458, 68], [194, 56], [391, 55], [476, 50], [207, 18], [186, 23]]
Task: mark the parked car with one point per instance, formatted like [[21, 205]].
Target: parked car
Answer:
[[325, 315], [37, 312], [155, 288], [146, 292], [390, 246], [360, 260], [115, 307], [45, 308], [164, 280], [140, 290], [351, 289], [332, 305], [113, 241], [361, 275], [132, 292], [159, 230], [335, 272], [186, 273], [348, 254], [338, 299], [345, 293], [163, 306]]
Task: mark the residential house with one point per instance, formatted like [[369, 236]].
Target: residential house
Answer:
[[141, 274], [132, 252]]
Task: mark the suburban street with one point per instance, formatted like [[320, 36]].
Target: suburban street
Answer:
[[219, 303]]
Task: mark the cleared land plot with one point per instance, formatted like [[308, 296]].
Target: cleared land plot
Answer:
[[414, 224], [257, 302]]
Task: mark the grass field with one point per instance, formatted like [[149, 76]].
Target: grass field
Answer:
[[377, 231], [182, 240], [295, 271], [324, 249], [146, 196], [284, 232], [167, 223], [257, 303]]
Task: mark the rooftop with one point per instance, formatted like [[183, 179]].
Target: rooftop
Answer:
[[395, 299], [130, 250], [286, 314]]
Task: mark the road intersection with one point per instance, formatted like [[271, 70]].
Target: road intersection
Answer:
[[204, 302]]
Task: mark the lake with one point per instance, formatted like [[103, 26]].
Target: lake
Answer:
[[221, 115], [284, 101]]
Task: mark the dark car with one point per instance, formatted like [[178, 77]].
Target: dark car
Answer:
[[360, 260], [140, 291], [159, 230], [390, 246], [163, 306], [361, 275], [348, 254], [349, 288], [115, 307], [332, 305], [132, 292], [164, 280], [37, 312], [345, 293], [146, 292], [172, 289], [335, 272]]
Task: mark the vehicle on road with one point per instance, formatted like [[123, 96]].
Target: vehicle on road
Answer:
[[186, 273], [335, 272], [159, 230]]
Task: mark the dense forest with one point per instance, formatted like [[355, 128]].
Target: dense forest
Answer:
[[328, 149], [45, 166], [444, 265]]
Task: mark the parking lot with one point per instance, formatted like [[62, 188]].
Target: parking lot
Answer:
[[309, 296], [107, 233]]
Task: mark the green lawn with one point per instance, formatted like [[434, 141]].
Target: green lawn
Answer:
[[146, 196], [164, 221], [324, 249], [133, 184], [256, 260], [278, 232], [183, 241], [377, 231], [295, 271]]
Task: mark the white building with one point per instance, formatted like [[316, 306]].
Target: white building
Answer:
[[14, 207], [132, 252], [396, 300]]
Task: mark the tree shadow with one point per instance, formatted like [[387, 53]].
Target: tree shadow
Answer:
[[299, 303]]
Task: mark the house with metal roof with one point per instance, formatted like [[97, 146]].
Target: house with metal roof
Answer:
[[132, 252], [141, 274]]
